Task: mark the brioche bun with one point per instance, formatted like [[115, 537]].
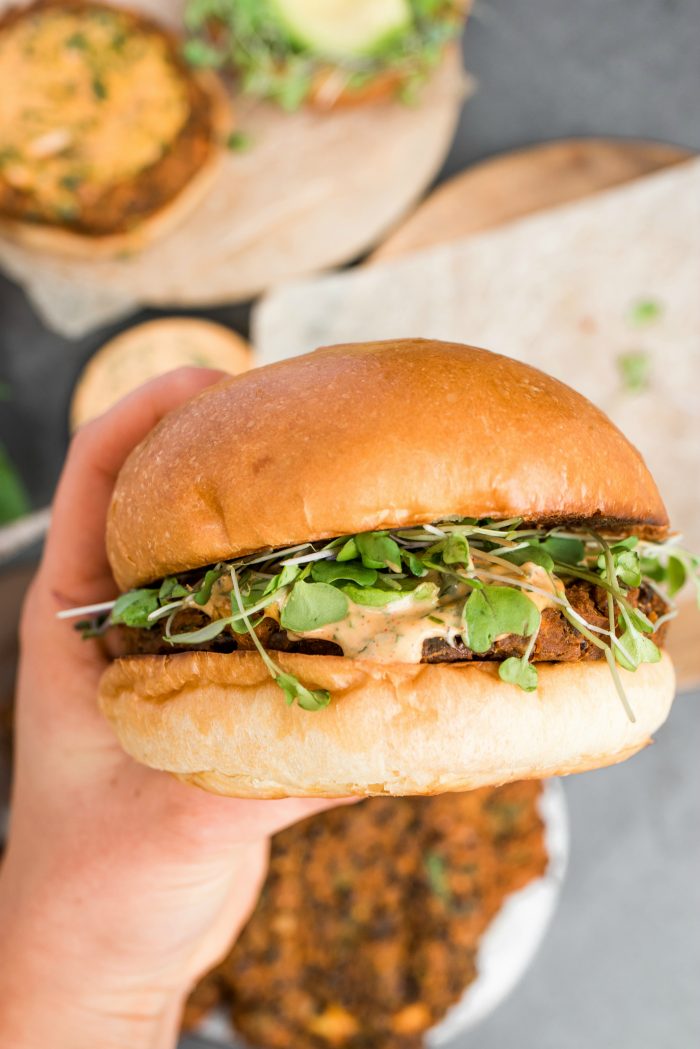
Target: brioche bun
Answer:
[[364, 436], [350, 439], [219, 721]]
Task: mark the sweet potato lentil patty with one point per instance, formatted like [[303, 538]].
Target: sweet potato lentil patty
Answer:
[[101, 122], [370, 919]]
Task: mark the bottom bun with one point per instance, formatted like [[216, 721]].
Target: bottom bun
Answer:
[[219, 721]]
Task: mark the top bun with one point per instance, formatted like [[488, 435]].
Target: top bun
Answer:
[[364, 436]]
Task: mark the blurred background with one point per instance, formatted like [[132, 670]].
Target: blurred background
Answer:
[[620, 962]]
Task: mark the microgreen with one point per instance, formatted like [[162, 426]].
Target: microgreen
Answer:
[[348, 551], [134, 608], [171, 589], [476, 564], [518, 672], [632, 649], [203, 594], [534, 553], [271, 61], [351, 571], [313, 605], [378, 550], [564, 549], [496, 610], [307, 698], [456, 550]]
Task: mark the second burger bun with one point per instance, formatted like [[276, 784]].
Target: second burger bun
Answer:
[[219, 721], [150, 349]]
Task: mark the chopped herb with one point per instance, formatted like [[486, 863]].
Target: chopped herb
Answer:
[[99, 88], [239, 142], [645, 311], [436, 871], [635, 370], [77, 41]]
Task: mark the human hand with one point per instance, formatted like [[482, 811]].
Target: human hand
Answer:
[[120, 885]]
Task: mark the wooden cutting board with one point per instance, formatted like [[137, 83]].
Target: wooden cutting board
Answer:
[[511, 186]]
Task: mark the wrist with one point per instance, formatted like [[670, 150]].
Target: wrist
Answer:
[[48, 996], [39, 1007]]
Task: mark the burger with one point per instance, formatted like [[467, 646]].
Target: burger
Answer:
[[327, 54], [396, 567], [108, 138]]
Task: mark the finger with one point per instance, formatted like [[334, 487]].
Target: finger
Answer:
[[75, 567], [238, 820]]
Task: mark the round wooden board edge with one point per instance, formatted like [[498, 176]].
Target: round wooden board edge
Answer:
[[545, 175]]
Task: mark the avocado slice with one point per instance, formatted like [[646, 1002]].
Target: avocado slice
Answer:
[[343, 28]]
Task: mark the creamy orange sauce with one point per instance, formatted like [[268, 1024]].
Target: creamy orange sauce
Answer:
[[394, 633], [86, 98]]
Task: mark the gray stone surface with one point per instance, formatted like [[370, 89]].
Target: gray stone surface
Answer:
[[621, 965]]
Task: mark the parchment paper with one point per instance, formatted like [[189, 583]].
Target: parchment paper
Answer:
[[312, 191], [557, 290]]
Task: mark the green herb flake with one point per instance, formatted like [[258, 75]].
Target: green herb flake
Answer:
[[77, 42], [436, 872], [645, 311], [99, 88], [239, 142], [634, 368]]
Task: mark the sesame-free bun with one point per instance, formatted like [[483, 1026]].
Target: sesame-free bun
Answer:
[[364, 436], [219, 721]]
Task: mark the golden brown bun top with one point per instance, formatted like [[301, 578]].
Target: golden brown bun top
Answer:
[[363, 436]]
